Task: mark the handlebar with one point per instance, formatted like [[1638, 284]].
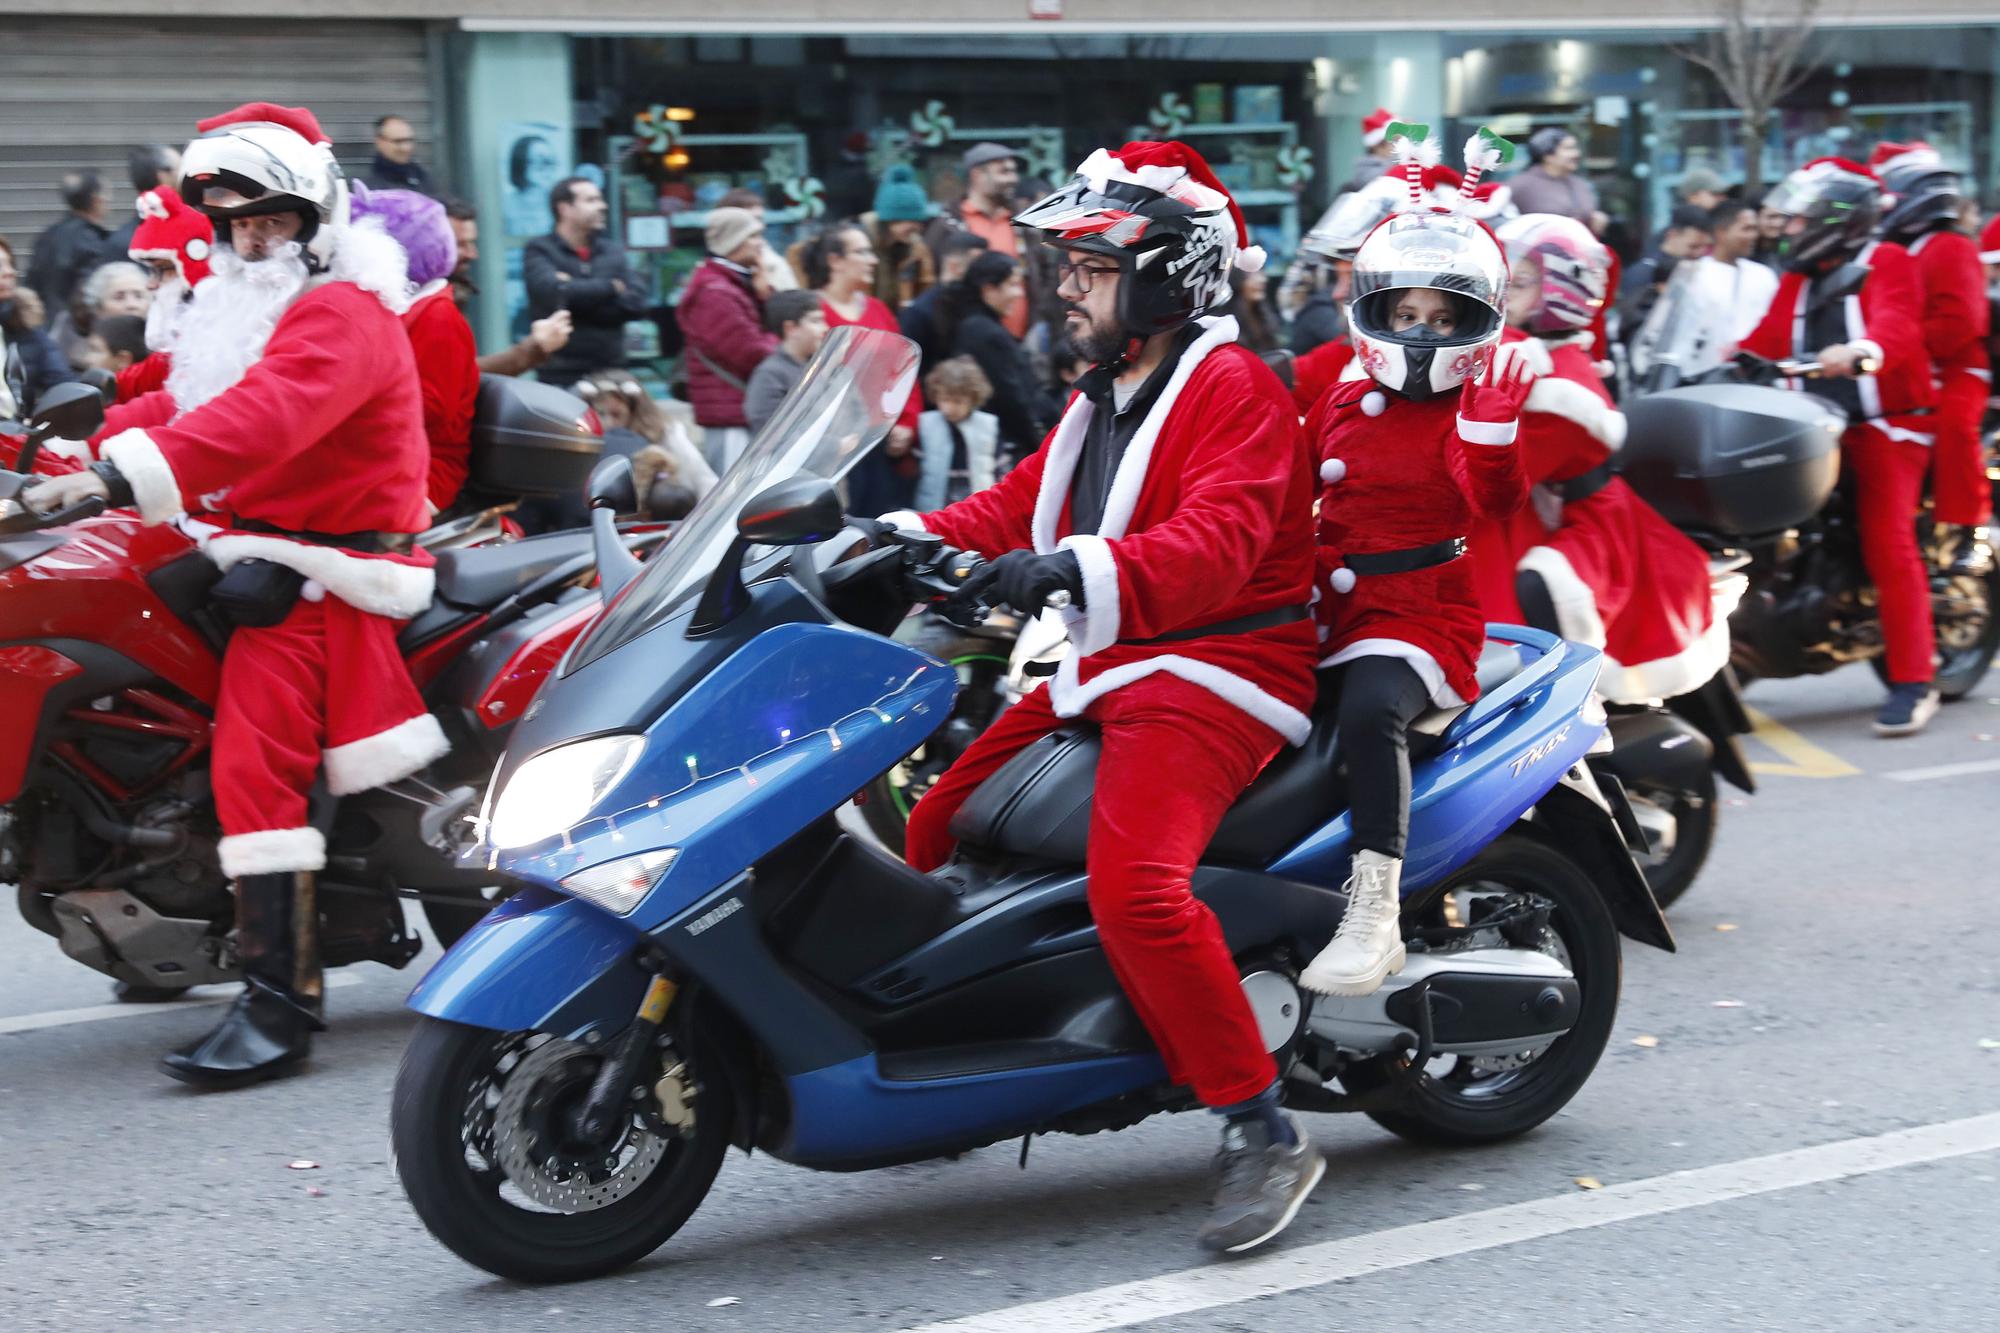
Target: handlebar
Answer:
[[24, 519]]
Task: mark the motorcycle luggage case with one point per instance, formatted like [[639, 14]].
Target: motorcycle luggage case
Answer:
[[531, 439], [1738, 460]]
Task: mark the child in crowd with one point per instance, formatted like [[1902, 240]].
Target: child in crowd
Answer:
[[118, 342], [960, 444], [1409, 457], [799, 320]]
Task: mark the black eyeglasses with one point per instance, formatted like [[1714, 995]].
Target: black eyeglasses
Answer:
[[1083, 275]]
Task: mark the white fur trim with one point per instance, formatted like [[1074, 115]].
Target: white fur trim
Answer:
[[1353, 371], [1095, 626], [1442, 695], [1573, 402], [1103, 166], [1066, 446], [272, 852], [367, 256], [1989, 256], [1374, 403], [1575, 603], [385, 757], [1069, 697], [374, 584], [1531, 352], [1869, 348], [1488, 432], [77, 451], [154, 489], [906, 520], [1332, 470], [1251, 259], [1342, 580], [1665, 677]]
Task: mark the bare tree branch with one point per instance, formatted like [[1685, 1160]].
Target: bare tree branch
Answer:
[[1758, 53]]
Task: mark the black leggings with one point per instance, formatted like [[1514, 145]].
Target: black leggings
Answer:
[[1538, 606], [1379, 698]]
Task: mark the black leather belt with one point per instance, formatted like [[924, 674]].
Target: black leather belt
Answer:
[[367, 543], [1405, 561], [1283, 615], [1585, 486]]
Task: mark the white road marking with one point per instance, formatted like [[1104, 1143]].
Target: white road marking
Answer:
[[1283, 1270], [98, 1013], [1944, 771]]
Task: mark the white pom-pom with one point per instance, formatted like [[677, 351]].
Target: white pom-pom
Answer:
[[1332, 470], [1250, 259], [1374, 403], [1342, 579], [197, 249], [1428, 153], [1477, 151]]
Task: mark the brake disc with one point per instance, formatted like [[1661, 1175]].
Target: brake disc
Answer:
[[543, 1170]]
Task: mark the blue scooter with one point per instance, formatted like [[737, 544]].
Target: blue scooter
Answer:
[[698, 953]]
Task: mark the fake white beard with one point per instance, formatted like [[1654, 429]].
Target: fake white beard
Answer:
[[163, 315], [220, 334]]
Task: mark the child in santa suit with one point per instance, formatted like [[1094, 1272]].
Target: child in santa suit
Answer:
[[1923, 217], [1587, 558], [1856, 306], [1409, 458], [447, 359], [292, 427]]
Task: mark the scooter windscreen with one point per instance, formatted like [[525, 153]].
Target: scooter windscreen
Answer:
[[850, 395]]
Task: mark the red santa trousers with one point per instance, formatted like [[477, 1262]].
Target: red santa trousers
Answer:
[[1888, 476], [324, 686], [1959, 483], [1175, 758]]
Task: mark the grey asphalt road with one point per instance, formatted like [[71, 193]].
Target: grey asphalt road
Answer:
[[1858, 903]]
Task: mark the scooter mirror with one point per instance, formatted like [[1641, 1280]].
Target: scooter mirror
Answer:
[[795, 511], [69, 412], [104, 382], [612, 487]]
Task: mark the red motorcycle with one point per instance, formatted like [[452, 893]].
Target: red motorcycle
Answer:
[[109, 663]]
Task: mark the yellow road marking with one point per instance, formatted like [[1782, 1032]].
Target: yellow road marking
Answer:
[[1805, 760]]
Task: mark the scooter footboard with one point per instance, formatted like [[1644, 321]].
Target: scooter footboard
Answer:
[[539, 962]]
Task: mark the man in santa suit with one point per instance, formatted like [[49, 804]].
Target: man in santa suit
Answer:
[[1922, 217], [1856, 306], [1172, 505], [1588, 558], [291, 424], [447, 358], [172, 243]]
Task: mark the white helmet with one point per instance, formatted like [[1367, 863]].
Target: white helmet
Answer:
[[261, 159], [1443, 252], [1348, 220]]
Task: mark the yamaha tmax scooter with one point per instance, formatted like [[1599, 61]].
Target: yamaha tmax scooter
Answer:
[[698, 954]]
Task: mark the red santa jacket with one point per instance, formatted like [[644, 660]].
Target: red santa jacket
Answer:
[[1209, 519], [144, 377], [448, 377], [1319, 370], [1957, 316], [1885, 318], [1402, 473], [323, 434]]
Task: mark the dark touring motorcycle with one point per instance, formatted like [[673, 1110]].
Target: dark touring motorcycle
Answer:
[[109, 664], [697, 954]]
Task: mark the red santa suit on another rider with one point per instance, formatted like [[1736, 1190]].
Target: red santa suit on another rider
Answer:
[[174, 243], [1924, 218], [1856, 304], [1177, 512], [1619, 577]]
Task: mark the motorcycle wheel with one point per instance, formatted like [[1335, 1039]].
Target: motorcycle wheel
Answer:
[[1693, 814], [981, 682], [1966, 609], [1469, 1101], [479, 1138]]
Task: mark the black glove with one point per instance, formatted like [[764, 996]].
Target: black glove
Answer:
[[1024, 580], [114, 482]]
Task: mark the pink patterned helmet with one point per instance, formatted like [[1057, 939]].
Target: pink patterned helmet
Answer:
[[1573, 265]]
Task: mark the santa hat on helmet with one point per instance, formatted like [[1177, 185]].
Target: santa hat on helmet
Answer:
[[1179, 172], [294, 118], [1375, 125], [1989, 242], [168, 229], [1889, 157]]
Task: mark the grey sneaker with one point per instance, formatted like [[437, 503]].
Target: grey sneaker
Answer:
[[1259, 1186]]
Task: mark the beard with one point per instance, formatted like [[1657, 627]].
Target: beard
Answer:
[[1097, 342], [218, 334]]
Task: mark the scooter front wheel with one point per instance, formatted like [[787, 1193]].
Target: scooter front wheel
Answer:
[[481, 1128]]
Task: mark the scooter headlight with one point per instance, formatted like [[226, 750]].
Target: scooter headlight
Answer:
[[552, 792]]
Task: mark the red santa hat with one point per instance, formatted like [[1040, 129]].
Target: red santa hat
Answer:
[[294, 118], [1989, 241], [1375, 125], [168, 229], [1840, 164], [1895, 156], [1179, 172]]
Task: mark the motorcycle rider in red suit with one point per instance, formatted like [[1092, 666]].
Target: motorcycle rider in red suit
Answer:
[[1856, 305], [1587, 558], [1173, 504], [1924, 219], [291, 426], [1409, 457]]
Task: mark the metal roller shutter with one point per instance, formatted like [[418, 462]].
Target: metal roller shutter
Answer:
[[82, 93]]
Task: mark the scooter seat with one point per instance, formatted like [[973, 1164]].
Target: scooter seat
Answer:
[[1038, 803], [481, 576]]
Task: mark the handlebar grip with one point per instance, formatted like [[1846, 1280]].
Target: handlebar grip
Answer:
[[27, 520]]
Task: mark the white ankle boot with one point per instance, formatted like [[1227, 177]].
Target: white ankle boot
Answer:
[[1369, 944]]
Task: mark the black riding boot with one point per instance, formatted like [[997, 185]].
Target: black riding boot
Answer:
[[268, 1030]]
